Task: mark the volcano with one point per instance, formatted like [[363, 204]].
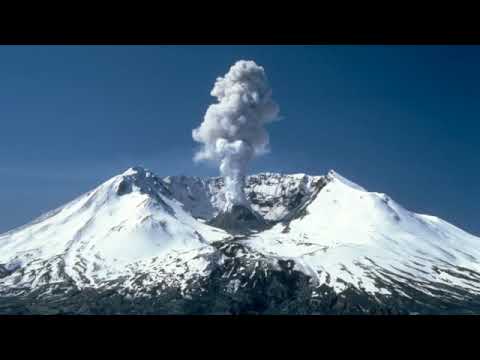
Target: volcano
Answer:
[[140, 243]]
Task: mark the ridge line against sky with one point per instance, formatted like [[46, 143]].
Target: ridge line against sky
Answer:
[[403, 120]]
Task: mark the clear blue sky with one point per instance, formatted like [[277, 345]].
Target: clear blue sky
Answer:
[[403, 120]]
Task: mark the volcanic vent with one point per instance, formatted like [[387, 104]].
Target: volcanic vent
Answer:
[[238, 219]]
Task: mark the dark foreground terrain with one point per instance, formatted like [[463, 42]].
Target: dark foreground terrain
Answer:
[[237, 287]]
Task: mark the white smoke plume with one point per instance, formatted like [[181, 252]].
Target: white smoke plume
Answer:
[[232, 132]]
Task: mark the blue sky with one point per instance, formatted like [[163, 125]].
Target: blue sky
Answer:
[[403, 120]]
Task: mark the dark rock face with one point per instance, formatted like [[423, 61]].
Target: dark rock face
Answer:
[[3, 271], [238, 219]]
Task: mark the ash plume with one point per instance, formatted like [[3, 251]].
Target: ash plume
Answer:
[[233, 129]]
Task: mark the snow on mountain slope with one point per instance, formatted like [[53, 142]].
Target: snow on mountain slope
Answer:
[[351, 236], [144, 229], [125, 220]]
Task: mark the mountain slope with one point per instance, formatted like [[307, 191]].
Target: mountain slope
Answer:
[[349, 236], [95, 237], [327, 246]]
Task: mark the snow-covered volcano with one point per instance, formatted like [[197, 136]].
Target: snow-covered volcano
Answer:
[[143, 235]]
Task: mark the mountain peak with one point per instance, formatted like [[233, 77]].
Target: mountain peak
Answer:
[[139, 178], [136, 170], [333, 175]]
